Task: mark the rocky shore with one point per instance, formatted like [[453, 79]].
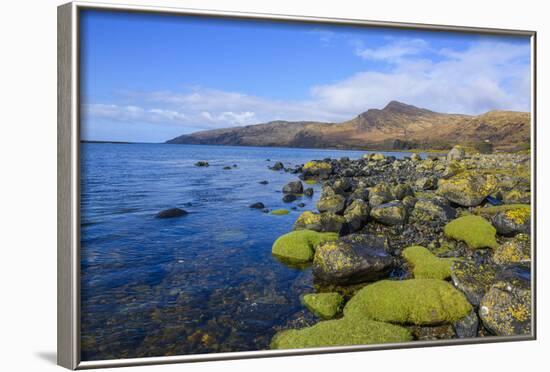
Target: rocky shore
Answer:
[[412, 249]]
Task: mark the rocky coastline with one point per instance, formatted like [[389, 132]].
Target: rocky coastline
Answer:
[[412, 249]]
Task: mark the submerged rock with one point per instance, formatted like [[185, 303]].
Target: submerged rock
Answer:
[[393, 213], [171, 213], [277, 166], [468, 188], [258, 205], [321, 222], [298, 246], [475, 231], [352, 259], [513, 221], [202, 164], [308, 192], [264, 182], [289, 198], [293, 187], [324, 305], [426, 265], [413, 301]]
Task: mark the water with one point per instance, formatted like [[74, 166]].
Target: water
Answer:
[[202, 283]]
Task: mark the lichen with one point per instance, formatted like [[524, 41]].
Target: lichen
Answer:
[[519, 215], [324, 305], [489, 212], [414, 301], [426, 265], [317, 165], [299, 246], [475, 231]]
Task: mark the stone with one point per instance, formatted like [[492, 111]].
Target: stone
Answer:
[[416, 157], [467, 189], [171, 213], [401, 190], [299, 246], [277, 166], [380, 194], [257, 205], [356, 215], [456, 153], [432, 210], [324, 305], [517, 250], [475, 231], [426, 183], [517, 197], [473, 279], [393, 213], [335, 204], [202, 164], [513, 221], [308, 192], [468, 326], [289, 198], [321, 222], [351, 259], [264, 182], [293, 187], [317, 169]]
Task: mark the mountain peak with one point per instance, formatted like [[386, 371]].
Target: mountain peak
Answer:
[[403, 108]]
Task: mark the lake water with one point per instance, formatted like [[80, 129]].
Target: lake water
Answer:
[[205, 282]]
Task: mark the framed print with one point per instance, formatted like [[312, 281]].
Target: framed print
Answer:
[[236, 185]]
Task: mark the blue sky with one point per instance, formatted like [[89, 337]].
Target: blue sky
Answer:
[[151, 77]]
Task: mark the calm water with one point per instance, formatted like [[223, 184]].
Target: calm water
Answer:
[[205, 282]]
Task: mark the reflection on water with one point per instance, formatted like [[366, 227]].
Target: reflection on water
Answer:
[[202, 283]]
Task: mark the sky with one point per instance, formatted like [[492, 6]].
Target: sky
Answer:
[[152, 77]]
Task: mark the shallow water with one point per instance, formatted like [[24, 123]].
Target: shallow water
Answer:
[[204, 282]]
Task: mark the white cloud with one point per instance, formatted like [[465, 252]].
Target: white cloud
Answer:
[[483, 77]]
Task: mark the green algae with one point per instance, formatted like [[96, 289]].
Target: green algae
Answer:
[[280, 212]]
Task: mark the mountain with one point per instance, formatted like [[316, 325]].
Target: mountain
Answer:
[[396, 126]]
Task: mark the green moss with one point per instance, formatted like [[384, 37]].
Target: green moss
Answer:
[[280, 212], [414, 301], [311, 182], [324, 305], [310, 165], [340, 332], [475, 231], [299, 245], [426, 265]]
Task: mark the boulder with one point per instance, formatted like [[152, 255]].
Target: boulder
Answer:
[[356, 215], [380, 194], [426, 265], [264, 182], [377, 157], [294, 187], [467, 189], [317, 169], [517, 250], [475, 231], [513, 221], [324, 305], [277, 166], [342, 186], [432, 210], [412, 301], [393, 213], [321, 222], [289, 198], [298, 246], [171, 213], [456, 153], [416, 157], [401, 190], [426, 183], [202, 164], [335, 204], [468, 326], [352, 259], [473, 279], [308, 192], [517, 197], [257, 205]]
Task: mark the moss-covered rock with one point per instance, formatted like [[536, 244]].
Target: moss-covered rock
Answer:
[[352, 259], [468, 188], [414, 301], [280, 212], [298, 246], [517, 250], [513, 221], [393, 213], [341, 332], [317, 169], [517, 197], [401, 190], [335, 204], [324, 305], [506, 309], [321, 222], [473, 279], [380, 194], [475, 231], [426, 265], [432, 211], [356, 215]]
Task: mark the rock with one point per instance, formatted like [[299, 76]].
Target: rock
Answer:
[[380, 194], [171, 213], [432, 210], [409, 202], [321, 222], [456, 153], [264, 182], [453, 168], [413, 301], [277, 166], [467, 189], [377, 157], [475, 231], [265, 210], [289, 198], [356, 215], [352, 259], [308, 192], [416, 157], [513, 221], [299, 246], [402, 190], [324, 305], [361, 193], [517, 197], [202, 164], [294, 187], [317, 169], [342, 186], [280, 212], [473, 279], [335, 204], [301, 205], [426, 183], [393, 213], [257, 205], [442, 332], [227, 168], [340, 332], [468, 326], [505, 310], [517, 250], [425, 265]]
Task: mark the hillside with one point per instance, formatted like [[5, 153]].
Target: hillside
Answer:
[[396, 126]]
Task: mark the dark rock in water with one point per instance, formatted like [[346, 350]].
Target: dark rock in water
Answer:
[[505, 310], [293, 208], [235, 165], [301, 205], [202, 164], [393, 213], [335, 204], [352, 259], [513, 221], [321, 222], [227, 167], [277, 166], [294, 187], [257, 205], [468, 326], [171, 213], [289, 198], [265, 210], [263, 182], [308, 192], [494, 201]]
